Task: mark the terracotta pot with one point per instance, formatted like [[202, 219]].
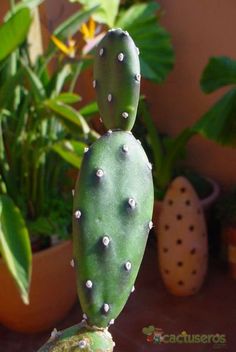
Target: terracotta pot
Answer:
[[52, 294], [230, 237]]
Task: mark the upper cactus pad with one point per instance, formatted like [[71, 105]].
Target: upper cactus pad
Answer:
[[117, 79], [113, 205]]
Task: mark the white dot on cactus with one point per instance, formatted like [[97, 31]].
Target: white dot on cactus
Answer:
[[121, 57], [112, 321], [99, 173], [125, 115], [150, 225], [72, 263], [100, 119], [109, 97], [86, 149], [125, 33], [138, 141], [128, 266], [109, 132], [106, 241], [125, 148], [133, 289], [150, 166], [78, 214], [101, 51], [132, 203], [94, 83], [129, 132], [138, 77], [85, 316], [89, 284], [82, 344], [73, 192], [106, 307], [138, 52]]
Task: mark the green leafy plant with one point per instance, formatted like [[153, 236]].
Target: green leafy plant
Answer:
[[218, 124], [41, 134], [165, 152]]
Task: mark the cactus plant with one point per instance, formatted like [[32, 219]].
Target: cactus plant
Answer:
[[113, 202]]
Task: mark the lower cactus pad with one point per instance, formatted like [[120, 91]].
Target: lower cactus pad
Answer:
[[78, 338], [113, 206]]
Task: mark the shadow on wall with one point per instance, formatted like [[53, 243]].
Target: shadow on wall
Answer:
[[57, 11]]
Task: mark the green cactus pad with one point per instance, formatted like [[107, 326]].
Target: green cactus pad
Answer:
[[78, 338], [113, 205], [117, 79]]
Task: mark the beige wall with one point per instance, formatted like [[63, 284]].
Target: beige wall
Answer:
[[199, 29]]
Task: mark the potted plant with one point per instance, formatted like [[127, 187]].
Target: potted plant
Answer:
[[50, 125], [167, 154], [226, 214], [41, 134]]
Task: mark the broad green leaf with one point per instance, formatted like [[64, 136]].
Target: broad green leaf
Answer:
[[14, 32], [69, 113], [15, 245], [72, 24], [71, 151], [154, 43], [219, 72], [219, 123], [68, 98], [89, 110], [107, 11]]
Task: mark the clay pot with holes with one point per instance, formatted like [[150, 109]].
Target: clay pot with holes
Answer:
[[52, 293], [182, 239]]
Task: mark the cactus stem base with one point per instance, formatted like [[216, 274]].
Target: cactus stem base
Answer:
[[80, 337]]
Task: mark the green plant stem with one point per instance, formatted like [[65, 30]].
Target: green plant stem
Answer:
[[166, 173], [75, 77], [153, 134]]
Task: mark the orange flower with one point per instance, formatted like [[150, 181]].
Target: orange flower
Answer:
[[69, 49], [88, 30]]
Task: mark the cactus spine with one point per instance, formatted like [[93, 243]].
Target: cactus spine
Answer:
[[113, 199]]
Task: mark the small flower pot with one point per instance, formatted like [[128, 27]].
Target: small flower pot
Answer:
[[52, 293]]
